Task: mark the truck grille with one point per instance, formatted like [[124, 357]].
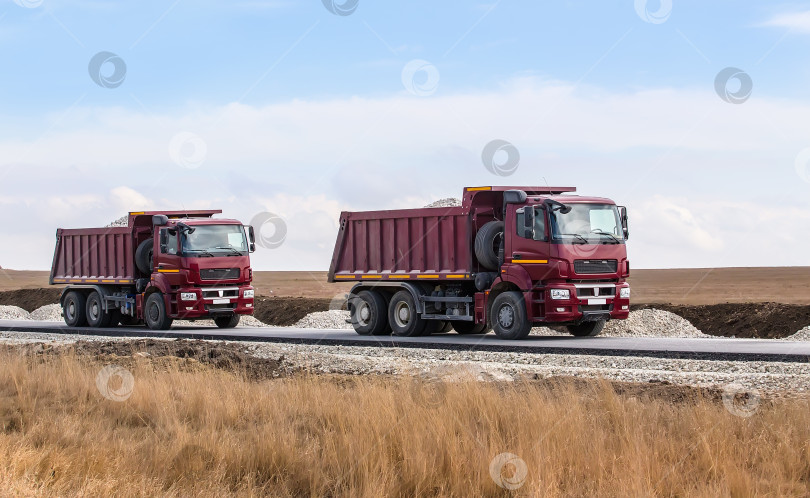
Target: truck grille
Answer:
[[595, 266], [219, 273]]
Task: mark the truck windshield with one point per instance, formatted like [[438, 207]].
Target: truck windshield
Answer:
[[215, 240], [587, 223]]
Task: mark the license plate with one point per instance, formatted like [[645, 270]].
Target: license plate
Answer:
[[597, 301], [227, 301]]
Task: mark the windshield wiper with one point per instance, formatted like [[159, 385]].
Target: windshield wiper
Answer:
[[203, 251], [599, 231], [236, 252], [578, 236]]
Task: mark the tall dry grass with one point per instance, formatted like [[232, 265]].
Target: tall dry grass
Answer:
[[199, 431]]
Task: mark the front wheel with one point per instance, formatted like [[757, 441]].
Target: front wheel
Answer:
[[509, 319], [227, 322], [587, 329], [155, 314]]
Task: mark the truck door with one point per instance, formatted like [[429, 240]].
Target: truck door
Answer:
[[529, 242], [168, 256]]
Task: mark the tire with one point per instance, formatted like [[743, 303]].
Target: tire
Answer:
[[227, 322], [488, 242], [96, 316], [509, 316], [437, 327], [587, 329], [403, 317], [469, 328], [155, 314], [143, 257], [368, 313], [74, 309]]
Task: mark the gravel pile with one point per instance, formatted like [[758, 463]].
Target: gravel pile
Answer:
[[13, 313], [801, 335], [651, 323], [332, 319], [49, 313], [446, 202], [120, 222]]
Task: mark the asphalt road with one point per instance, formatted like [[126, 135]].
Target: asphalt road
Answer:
[[710, 349]]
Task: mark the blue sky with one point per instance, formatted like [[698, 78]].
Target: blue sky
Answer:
[[304, 113]]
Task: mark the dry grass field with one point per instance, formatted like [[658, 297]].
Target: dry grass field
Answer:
[[688, 286], [190, 429]]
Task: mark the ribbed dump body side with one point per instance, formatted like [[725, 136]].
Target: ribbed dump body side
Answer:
[[88, 254]]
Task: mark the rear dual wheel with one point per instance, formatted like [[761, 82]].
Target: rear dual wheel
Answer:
[[403, 317], [97, 316], [369, 313], [74, 309]]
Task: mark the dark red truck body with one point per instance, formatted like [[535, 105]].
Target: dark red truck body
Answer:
[[431, 252], [99, 267]]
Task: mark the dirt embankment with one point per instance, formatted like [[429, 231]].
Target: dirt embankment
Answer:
[[30, 299], [748, 320], [286, 311]]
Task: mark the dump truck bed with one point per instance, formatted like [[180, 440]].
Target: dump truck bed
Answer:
[[93, 256], [427, 243]]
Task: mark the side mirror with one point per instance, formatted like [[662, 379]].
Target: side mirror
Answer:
[[623, 216], [528, 222], [252, 247], [251, 234], [160, 220]]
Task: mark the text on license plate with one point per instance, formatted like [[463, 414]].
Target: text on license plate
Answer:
[[226, 301], [590, 301]]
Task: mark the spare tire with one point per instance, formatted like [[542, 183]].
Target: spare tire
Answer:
[[143, 256], [488, 243]]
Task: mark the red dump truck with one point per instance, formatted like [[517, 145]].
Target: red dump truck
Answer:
[[508, 258], [163, 265]]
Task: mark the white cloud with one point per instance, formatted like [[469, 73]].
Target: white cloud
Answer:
[[799, 21], [676, 158]]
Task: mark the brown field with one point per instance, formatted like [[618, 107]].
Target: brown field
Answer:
[[191, 429], [688, 286]]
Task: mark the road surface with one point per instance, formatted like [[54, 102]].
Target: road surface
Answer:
[[711, 349]]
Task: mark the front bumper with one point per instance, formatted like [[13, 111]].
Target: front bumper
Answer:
[[586, 302], [213, 301]]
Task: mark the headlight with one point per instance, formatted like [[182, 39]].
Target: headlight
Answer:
[[560, 294], [188, 296], [248, 293], [624, 293]]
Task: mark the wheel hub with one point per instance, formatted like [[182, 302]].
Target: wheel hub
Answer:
[[506, 316], [364, 313]]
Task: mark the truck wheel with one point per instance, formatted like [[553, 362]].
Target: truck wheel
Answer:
[[96, 316], [368, 313], [469, 328], [437, 327], [509, 316], [227, 322], [488, 243], [154, 312], [143, 256], [74, 307], [587, 329], [403, 317]]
